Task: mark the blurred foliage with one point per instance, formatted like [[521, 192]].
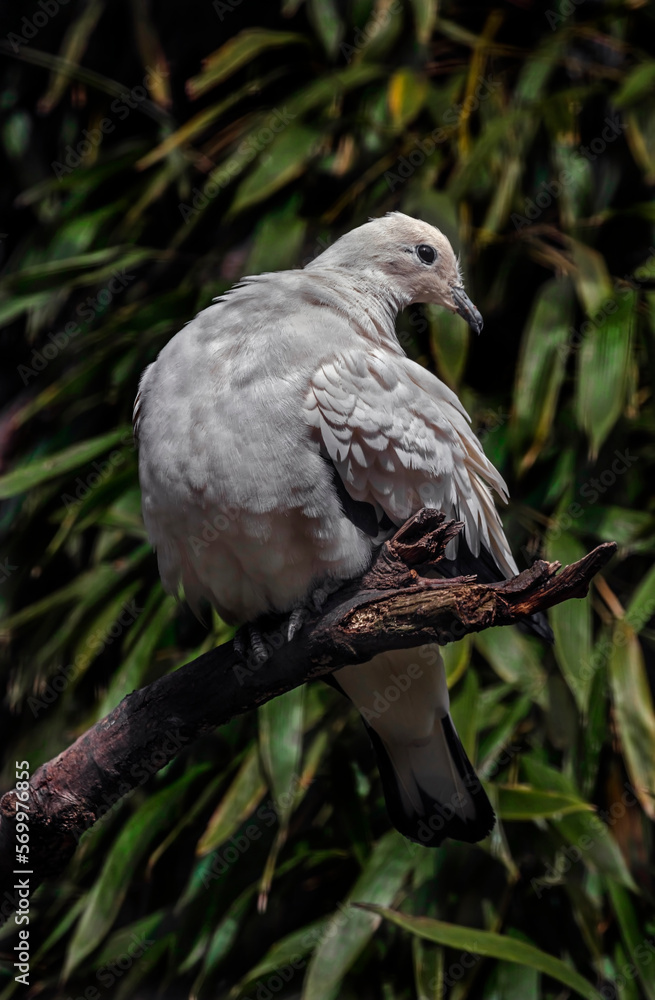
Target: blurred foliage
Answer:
[[153, 154]]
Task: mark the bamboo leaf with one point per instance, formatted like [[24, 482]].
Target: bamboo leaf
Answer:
[[542, 364], [479, 942], [285, 159], [571, 623], [41, 470], [243, 795], [349, 931], [521, 802], [636, 85], [635, 717], [584, 831], [604, 360], [125, 855], [327, 23], [425, 16], [514, 659], [641, 956], [238, 52], [405, 96]]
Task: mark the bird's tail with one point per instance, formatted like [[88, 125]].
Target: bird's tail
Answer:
[[430, 787]]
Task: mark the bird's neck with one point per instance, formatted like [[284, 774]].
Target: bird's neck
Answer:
[[372, 305]]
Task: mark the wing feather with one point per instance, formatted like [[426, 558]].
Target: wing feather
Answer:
[[400, 440]]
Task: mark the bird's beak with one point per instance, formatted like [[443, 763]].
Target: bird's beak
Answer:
[[465, 308]]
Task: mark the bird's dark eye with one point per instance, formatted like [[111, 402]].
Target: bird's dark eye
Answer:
[[426, 253]]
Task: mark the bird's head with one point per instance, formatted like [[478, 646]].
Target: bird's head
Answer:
[[411, 259]]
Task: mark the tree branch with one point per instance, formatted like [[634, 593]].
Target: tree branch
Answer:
[[392, 606]]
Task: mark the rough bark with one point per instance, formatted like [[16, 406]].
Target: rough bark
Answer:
[[392, 606]]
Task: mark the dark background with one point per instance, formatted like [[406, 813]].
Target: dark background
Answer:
[[527, 134]]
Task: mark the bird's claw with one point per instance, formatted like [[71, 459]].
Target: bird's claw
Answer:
[[254, 646], [249, 645]]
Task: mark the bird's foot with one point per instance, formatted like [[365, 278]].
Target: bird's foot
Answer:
[[295, 622], [250, 646], [254, 642]]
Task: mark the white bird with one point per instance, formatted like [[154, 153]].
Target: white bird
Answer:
[[284, 434]]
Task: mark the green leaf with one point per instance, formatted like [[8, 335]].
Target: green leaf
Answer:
[[117, 945], [243, 795], [514, 658], [280, 744], [288, 953], [133, 842], [128, 987], [633, 937], [585, 831], [572, 624], [224, 936], [285, 159], [638, 84], [604, 360], [456, 657], [591, 278], [463, 709], [449, 342], [83, 269], [641, 607], [518, 982], [349, 930], [130, 675], [633, 707], [490, 945], [425, 16], [521, 802], [495, 749], [542, 364], [331, 87], [326, 21], [405, 96], [238, 52], [41, 470], [428, 969], [278, 240]]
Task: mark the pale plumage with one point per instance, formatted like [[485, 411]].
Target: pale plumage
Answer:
[[283, 433]]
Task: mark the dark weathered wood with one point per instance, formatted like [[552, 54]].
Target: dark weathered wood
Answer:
[[392, 606]]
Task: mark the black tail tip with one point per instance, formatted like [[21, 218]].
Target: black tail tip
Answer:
[[438, 820]]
